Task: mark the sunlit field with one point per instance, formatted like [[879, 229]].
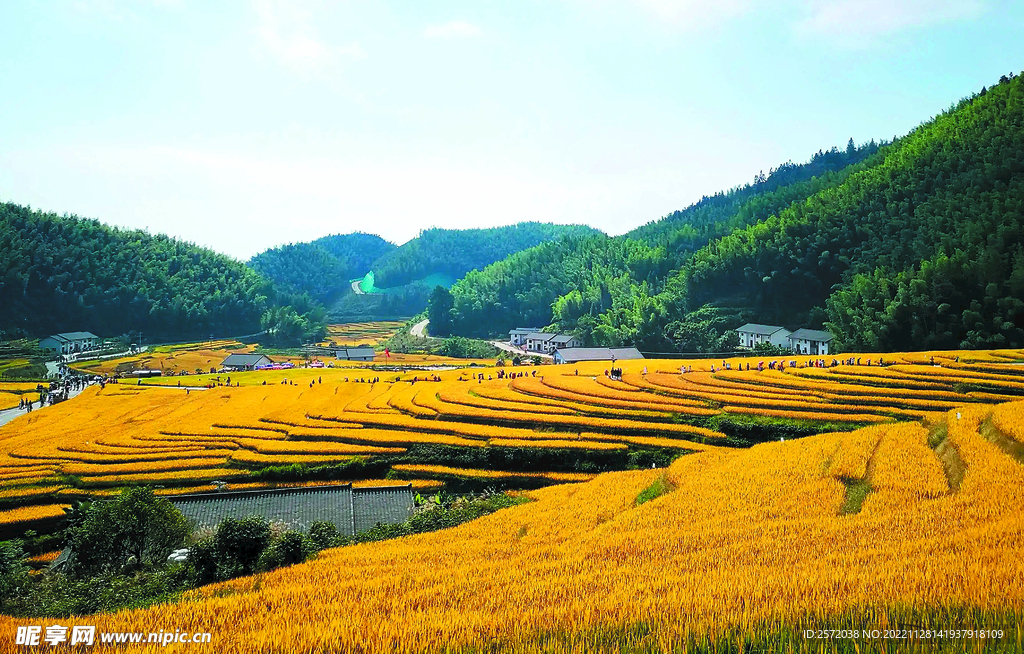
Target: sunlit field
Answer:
[[362, 333], [535, 425], [175, 359], [743, 549]]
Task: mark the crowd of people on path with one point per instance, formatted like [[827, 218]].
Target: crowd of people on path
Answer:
[[54, 392]]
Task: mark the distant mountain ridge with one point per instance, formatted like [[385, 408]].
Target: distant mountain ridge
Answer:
[[324, 268], [321, 268]]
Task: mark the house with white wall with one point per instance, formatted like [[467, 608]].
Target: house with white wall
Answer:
[[810, 341], [753, 334]]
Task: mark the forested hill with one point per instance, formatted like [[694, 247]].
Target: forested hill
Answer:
[[923, 250], [914, 244], [322, 267], [61, 273], [600, 286], [455, 252]]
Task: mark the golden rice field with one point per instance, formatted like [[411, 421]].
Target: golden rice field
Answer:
[[361, 333], [130, 433], [176, 359], [746, 549]]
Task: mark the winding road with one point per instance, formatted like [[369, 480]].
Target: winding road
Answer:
[[417, 329]]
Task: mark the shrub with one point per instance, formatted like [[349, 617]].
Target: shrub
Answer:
[[239, 544], [136, 528], [13, 571], [323, 534], [290, 548]]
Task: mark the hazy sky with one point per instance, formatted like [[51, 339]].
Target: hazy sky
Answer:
[[244, 125]]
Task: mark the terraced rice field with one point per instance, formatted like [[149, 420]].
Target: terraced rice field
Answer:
[[362, 333], [914, 524], [548, 422], [175, 359]]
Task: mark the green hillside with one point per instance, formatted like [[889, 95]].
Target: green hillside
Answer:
[[924, 249], [455, 252], [406, 275], [321, 268], [63, 273], [914, 244], [601, 287]]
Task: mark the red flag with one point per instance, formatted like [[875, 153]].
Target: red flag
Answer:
[[387, 353]]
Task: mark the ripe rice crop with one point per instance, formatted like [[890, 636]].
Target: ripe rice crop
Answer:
[[164, 465], [537, 387], [904, 470], [257, 459], [961, 377], [374, 399], [590, 388], [565, 477], [588, 406], [819, 416], [465, 397], [1009, 419], [45, 557], [404, 401], [557, 444], [880, 376], [161, 477], [18, 387], [10, 400], [27, 492], [853, 451], [583, 568], [32, 513], [823, 383], [32, 472]]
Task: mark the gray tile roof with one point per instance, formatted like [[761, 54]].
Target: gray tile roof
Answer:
[[246, 360], [524, 330], [754, 328], [389, 505], [811, 335], [562, 338], [573, 354], [351, 510], [540, 336], [354, 352], [75, 336]]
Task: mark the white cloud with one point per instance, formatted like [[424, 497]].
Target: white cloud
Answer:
[[452, 29], [866, 20], [694, 13], [286, 31]]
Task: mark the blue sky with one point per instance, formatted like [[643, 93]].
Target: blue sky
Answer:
[[247, 124]]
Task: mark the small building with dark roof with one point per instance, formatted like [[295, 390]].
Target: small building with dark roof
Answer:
[[753, 334], [238, 362], [359, 353], [577, 354], [352, 510], [810, 341], [518, 335], [70, 342]]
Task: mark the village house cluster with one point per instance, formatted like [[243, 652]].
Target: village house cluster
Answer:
[[565, 348], [802, 341]]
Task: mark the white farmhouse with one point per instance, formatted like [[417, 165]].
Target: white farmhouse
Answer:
[[810, 341], [752, 334], [70, 342], [518, 335]]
